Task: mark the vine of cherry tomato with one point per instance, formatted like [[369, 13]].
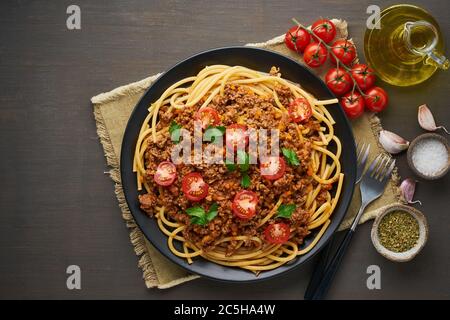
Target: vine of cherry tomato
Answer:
[[344, 50], [339, 81], [376, 99], [297, 39], [354, 83], [363, 75], [353, 104], [315, 54], [324, 29]]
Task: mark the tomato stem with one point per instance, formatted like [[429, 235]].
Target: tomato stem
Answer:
[[321, 42]]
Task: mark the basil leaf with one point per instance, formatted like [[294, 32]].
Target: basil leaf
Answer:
[[200, 221], [243, 159], [196, 211], [245, 180], [212, 212], [230, 166], [212, 132], [200, 217], [175, 132], [286, 210], [174, 126], [197, 214], [290, 156]]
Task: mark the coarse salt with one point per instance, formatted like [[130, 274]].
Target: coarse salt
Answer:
[[430, 157]]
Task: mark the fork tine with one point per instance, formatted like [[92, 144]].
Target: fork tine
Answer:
[[365, 155], [378, 174], [359, 149], [361, 159], [376, 168], [389, 171], [373, 165], [385, 168]]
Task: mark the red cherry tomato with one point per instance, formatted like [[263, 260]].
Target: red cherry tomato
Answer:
[[338, 80], [166, 173], [272, 168], [244, 204], [234, 134], [324, 29], [344, 50], [376, 99], [297, 39], [208, 116], [194, 187], [277, 233], [353, 104], [315, 54], [299, 110], [363, 75]]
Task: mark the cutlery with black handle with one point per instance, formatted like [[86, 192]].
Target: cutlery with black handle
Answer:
[[372, 186], [362, 153]]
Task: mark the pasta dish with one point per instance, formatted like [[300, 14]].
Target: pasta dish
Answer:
[[247, 209]]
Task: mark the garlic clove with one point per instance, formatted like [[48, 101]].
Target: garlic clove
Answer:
[[426, 119], [408, 187], [392, 142]]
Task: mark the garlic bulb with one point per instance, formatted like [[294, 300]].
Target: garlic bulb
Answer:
[[392, 142], [426, 119], [408, 187]]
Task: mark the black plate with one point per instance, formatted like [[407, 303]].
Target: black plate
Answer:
[[256, 59]]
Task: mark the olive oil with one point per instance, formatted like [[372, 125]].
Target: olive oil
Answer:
[[408, 48]]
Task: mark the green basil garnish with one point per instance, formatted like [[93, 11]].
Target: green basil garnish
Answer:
[[290, 156], [286, 210]]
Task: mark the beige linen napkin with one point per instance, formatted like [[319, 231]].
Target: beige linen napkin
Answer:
[[112, 110]]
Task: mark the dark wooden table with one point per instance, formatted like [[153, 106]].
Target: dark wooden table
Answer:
[[57, 206]]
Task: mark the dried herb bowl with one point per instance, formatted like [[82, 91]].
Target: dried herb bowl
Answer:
[[419, 244]]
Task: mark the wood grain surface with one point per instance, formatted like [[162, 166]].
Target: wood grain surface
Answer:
[[57, 206]]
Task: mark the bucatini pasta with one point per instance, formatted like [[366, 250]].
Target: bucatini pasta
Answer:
[[250, 215]]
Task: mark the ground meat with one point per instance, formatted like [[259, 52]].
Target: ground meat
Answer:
[[300, 216], [237, 105], [148, 202]]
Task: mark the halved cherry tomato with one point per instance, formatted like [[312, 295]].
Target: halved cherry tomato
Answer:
[[324, 29], [376, 99], [363, 75], [272, 168], [166, 173], [234, 134], [353, 104], [194, 187], [315, 54], [344, 50], [244, 204], [338, 80], [208, 116], [277, 233], [300, 110], [297, 39]]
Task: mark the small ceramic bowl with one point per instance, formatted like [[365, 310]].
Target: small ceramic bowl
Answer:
[[411, 253], [414, 144]]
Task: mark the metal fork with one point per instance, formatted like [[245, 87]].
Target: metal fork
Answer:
[[372, 186], [362, 153]]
